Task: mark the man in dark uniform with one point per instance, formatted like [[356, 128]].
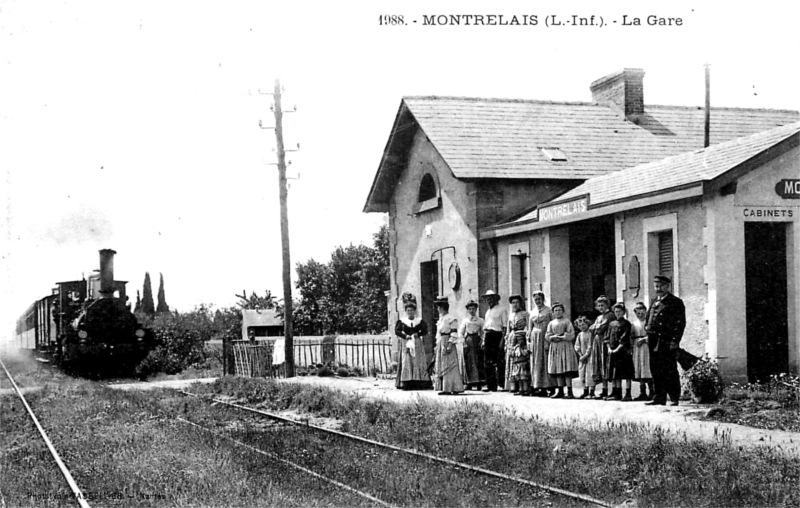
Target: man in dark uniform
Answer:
[[666, 320]]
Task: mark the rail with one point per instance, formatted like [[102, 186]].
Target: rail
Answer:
[[450, 462], [76, 491], [291, 464]]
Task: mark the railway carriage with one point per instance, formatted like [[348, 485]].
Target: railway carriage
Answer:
[[86, 325]]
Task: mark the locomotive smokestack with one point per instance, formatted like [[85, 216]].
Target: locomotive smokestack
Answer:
[[107, 273]]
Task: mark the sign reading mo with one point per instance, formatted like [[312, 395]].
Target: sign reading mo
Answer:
[[788, 189]]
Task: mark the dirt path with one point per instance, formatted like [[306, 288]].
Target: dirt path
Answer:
[[680, 420]]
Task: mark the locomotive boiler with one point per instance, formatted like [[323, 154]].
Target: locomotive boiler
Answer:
[[86, 326]]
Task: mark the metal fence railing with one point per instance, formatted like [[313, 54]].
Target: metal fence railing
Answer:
[[370, 354]]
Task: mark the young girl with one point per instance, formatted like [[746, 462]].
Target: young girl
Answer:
[[561, 361], [619, 347], [641, 353], [519, 371], [599, 331], [585, 351]]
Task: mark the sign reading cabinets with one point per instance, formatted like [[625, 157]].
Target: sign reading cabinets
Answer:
[[763, 213]]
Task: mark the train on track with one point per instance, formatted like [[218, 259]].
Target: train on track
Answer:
[[86, 326]]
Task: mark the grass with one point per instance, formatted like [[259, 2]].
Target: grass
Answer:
[[611, 461], [124, 450], [127, 449]]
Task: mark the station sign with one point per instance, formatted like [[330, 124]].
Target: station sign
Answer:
[[769, 213], [788, 188], [564, 209]]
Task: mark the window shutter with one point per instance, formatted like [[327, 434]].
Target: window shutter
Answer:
[[666, 264], [515, 276]]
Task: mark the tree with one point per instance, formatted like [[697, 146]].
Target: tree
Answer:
[[347, 294], [162, 303], [138, 308], [254, 301], [308, 317], [148, 308]]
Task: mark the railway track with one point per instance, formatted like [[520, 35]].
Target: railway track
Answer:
[[76, 491], [325, 438]]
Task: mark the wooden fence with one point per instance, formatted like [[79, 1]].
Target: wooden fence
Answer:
[[372, 354]]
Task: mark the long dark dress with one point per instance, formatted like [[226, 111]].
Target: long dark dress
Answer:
[[471, 332], [413, 363], [517, 329], [621, 362], [600, 331]]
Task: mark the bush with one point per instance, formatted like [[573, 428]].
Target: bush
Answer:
[[342, 372], [180, 341], [325, 371], [703, 382], [782, 388]]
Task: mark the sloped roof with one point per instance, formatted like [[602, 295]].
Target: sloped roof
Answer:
[[502, 138], [672, 172], [485, 138]]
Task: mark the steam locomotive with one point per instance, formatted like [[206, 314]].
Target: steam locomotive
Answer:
[[86, 326]]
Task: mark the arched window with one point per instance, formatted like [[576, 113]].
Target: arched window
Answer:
[[427, 188]]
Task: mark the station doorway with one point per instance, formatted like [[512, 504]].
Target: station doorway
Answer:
[[592, 270], [429, 287], [766, 299]]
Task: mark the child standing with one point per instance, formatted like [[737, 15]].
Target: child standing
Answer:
[[619, 347], [518, 372], [641, 353], [561, 360], [600, 331], [584, 350]]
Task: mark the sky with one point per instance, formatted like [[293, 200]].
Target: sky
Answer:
[[134, 125]]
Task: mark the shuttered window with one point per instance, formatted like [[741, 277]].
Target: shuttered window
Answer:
[[516, 275], [519, 275], [666, 265]]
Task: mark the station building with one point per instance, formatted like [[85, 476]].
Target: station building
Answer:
[[580, 199]]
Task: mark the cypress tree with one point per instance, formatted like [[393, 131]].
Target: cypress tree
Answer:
[[162, 307], [138, 308], [148, 307]]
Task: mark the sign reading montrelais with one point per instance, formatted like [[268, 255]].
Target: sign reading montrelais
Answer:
[[788, 189], [563, 210]]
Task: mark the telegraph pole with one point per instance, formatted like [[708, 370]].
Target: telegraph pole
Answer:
[[287, 266]]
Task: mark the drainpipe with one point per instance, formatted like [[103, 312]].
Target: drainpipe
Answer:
[[706, 140]]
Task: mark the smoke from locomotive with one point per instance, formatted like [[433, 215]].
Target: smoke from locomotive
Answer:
[[86, 325]]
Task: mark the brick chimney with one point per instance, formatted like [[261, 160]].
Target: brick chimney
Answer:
[[623, 89]]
